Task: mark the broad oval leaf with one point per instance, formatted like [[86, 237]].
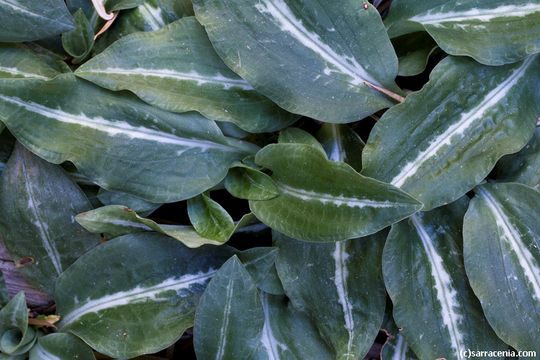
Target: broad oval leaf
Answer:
[[178, 155], [522, 167], [27, 20], [289, 334], [502, 258], [61, 346], [339, 285], [293, 135], [15, 336], [148, 279], [444, 139], [39, 202], [341, 143], [310, 57], [413, 52], [425, 278], [322, 200], [209, 219], [18, 61], [398, 20], [230, 318], [79, 41], [493, 32], [188, 76], [245, 182]]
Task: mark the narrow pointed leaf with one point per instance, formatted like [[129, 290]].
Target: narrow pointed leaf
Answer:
[[18, 61], [177, 157], [79, 41], [425, 278], [341, 143], [310, 57], [522, 167], [209, 219], [502, 258], [15, 335], [230, 318], [27, 20], [288, 333], [39, 202], [444, 139], [492, 32], [322, 200], [188, 76], [117, 220], [245, 182], [148, 279], [61, 346], [339, 285], [413, 52]]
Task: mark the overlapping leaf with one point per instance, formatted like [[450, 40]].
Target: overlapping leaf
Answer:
[[188, 76], [18, 61], [425, 278], [339, 285], [445, 138], [61, 346], [16, 337], [177, 156], [310, 57], [341, 144], [413, 51], [322, 200], [135, 294], [502, 258], [39, 202]]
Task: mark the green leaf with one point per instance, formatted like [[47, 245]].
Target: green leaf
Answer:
[[260, 263], [209, 219], [413, 52], [398, 22], [423, 264], [138, 205], [117, 220], [115, 5], [38, 202], [79, 42], [339, 285], [15, 335], [135, 294], [310, 57], [230, 318], [188, 75], [288, 334], [27, 20], [322, 200], [341, 143], [502, 257], [522, 167], [61, 346], [245, 182], [18, 62], [492, 32], [396, 347], [294, 135], [444, 139], [177, 156]]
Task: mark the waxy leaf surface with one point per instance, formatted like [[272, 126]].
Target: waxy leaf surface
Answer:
[[444, 139], [18, 61], [39, 202], [501, 250], [135, 294], [322, 200], [16, 337], [209, 219], [117, 141], [339, 285], [310, 57], [230, 318], [341, 143], [425, 278], [61, 346], [187, 75]]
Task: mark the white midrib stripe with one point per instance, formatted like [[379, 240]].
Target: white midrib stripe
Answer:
[[113, 128], [268, 340], [125, 223], [329, 198], [15, 71], [48, 244], [400, 348], [45, 355], [222, 341], [340, 281], [446, 294], [152, 16], [337, 153], [475, 14], [217, 79], [525, 258], [287, 21], [136, 295], [466, 120]]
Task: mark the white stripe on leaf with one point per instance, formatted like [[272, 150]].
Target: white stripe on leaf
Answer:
[[17, 72], [269, 342], [340, 281], [152, 16]]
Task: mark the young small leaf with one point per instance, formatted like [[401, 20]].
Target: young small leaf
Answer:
[[209, 218]]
